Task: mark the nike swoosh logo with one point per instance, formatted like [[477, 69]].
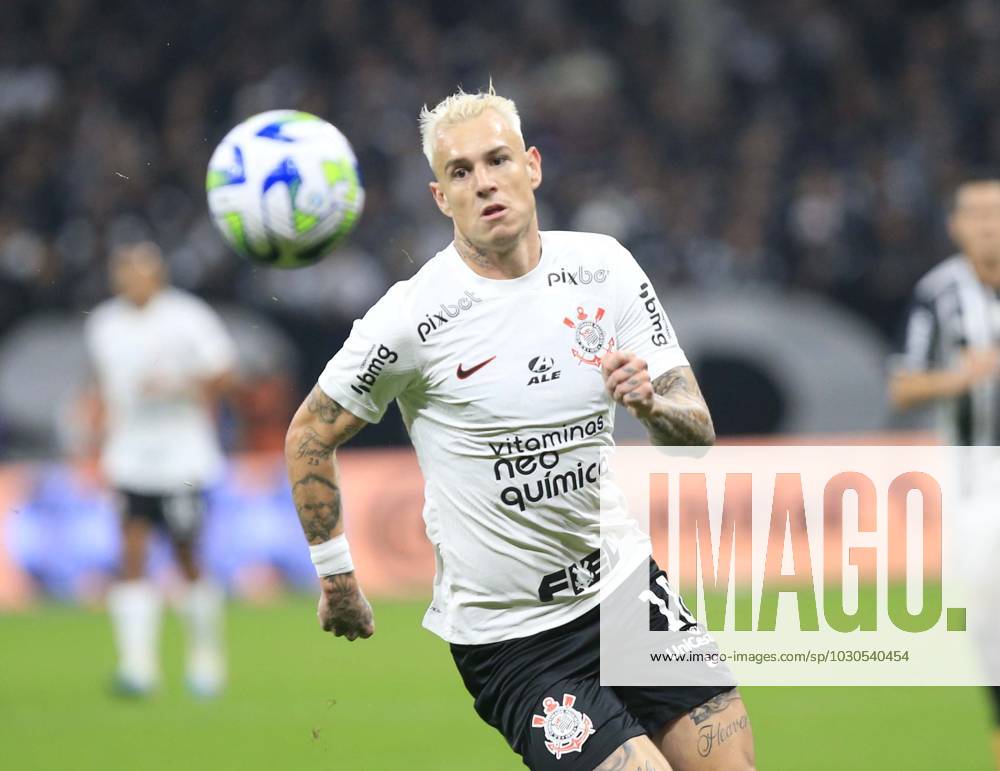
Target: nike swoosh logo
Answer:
[[464, 373]]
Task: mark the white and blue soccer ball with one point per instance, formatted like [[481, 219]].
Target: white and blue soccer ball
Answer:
[[284, 189]]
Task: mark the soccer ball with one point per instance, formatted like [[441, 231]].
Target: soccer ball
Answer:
[[284, 189]]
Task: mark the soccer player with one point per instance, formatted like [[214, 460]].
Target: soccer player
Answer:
[[950, 357], [161, 356], [506, 354]]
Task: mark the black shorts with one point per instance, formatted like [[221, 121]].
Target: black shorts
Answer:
[[180, 514], [543, 694]]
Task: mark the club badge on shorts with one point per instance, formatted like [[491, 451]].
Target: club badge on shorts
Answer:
[[566, 729]]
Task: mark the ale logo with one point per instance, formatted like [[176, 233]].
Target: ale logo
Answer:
[[543, 370]]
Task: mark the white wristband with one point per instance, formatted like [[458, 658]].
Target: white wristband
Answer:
[[332, 557]]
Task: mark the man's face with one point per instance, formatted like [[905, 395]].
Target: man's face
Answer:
[[137, 274], [975, 227], [486, 180]]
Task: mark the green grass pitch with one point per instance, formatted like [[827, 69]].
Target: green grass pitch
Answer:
[[302, 700]]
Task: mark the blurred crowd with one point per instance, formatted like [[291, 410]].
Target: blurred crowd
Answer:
[[790, 143]]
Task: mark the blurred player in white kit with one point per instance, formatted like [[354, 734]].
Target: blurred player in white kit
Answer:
[[161, 357]]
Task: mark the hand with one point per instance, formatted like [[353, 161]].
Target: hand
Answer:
[[626, 378], [161, 387], [343, 609], [978, 364]]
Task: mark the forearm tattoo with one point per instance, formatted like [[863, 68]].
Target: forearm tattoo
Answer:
[[625, 759], [317, 500], [683, 418], [313, 449], [312, 468]]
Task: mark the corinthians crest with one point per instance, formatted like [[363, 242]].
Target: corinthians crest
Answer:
[[566, 729], [591, 341]]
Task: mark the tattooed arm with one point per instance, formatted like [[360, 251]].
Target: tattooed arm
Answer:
[[671, 407], [715, 734], [319, 427], [679, 415], [636, 754]]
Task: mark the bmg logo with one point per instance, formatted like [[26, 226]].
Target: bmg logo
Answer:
[[377, 359]]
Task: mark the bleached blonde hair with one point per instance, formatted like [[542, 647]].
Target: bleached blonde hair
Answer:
[[461, 106]]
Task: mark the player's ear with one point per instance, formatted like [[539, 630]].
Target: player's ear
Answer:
[[440, 199], [534, 167]]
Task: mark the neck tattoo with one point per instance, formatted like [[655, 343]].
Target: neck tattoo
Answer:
[[469, 252]]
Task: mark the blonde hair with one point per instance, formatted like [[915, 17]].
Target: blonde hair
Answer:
[[461, 106]]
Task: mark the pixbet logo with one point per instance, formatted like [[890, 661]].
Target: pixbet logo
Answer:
[[376, 361], [436, 320], [580, 276], [544, 370]]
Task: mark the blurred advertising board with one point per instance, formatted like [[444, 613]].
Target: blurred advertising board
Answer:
[[59, 530]]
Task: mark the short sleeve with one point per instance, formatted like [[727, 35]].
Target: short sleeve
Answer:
[[214, 349], [916, 346], [643, 326], [376, 363]]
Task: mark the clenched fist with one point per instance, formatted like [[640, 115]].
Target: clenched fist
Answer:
[[343, 608], [626, 377]]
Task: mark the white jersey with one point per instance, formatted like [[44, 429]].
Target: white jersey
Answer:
[[499, 385], [160, 433]]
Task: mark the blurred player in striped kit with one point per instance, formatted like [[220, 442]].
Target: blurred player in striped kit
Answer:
[[950, 356], [161, 357]]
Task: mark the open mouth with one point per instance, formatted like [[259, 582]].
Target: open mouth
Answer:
[[493, 210]]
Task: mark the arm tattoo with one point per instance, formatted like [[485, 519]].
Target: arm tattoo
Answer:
[[683, 418], [626, 758], [618, 760], [313, 449], [322, 406], [712, 735], [317, 500]]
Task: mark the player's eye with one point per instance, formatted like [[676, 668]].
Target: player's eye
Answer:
[[459, 173], [498, 159]]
